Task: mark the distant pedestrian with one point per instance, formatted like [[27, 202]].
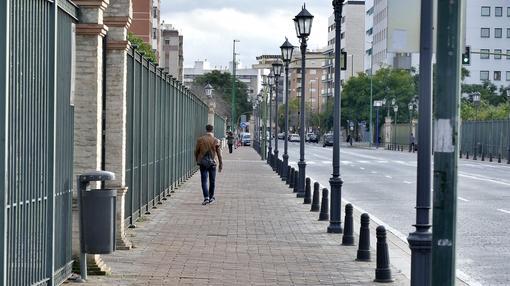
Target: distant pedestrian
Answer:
[[230, 141], [206, 150], [412, 142]]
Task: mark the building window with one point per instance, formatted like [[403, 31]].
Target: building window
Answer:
[[167, 42], [154, 33], [508, 11], [155, 12], [497, 54], [371, 30], [498, 32], [313, 71], [486, 11], [498, 11], [497, 75], [508, 54], [484, 75], [484, 54], [508, 32], [508, 76], [485, 32]]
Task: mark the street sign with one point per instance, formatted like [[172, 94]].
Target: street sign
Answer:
[[244, 125]]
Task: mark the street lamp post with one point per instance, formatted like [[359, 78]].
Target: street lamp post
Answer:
[[303, 24], [287, 49], [277, 71], [411, 109], [233, 111], [377, 105], [508, 100], [476, 100], [335, 221], [270, 84], [371, 91], [395, 110]]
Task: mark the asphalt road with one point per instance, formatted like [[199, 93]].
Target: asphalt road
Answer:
[[384, 184]]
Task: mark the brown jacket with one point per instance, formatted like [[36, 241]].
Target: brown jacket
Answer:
[[206, 143]]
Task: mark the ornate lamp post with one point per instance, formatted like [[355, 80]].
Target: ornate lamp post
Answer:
[[377, 104], [395, 111], [476, 100], [287, 49], [335, 221], [303, 23], [277, 72], [270, 84]]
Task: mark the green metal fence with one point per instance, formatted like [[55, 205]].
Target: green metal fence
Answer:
[[486, 137], [164, 121], [219, 127], [36, 141]]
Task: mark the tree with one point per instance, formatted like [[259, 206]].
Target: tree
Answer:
[[222, 84], [142, 47]]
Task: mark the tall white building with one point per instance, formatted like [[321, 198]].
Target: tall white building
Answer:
[[352, 42], [488, 33]]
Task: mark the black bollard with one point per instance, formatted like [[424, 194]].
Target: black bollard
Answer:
[[287, 180], [364, 239], [499, 158], [324, 214], [483, 156], [474, 155], [315, 202], [490, 157], [467, 155], [291, 179], [383, 271], [348, 237], [308, 192], [460, 154], [296, 179]]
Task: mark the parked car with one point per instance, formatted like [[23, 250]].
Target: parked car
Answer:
[[294, 138], [281, 136], [246, 139], [328, 140], [312, 138]]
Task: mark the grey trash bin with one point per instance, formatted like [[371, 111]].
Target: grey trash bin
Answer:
[[97, 215]]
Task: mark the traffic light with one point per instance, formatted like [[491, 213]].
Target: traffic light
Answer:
[[343, 61], [466, 56]]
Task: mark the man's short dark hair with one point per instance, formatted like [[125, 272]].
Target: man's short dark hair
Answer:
[[209, 128]]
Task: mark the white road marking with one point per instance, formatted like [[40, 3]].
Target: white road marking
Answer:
[[467, 175], [407, 182], [463, 199], [373, 172], [346, 162], [326, 162], [504, 211], [361, 168], [311, 163], [389, 177], [382, 162], [363, 162]]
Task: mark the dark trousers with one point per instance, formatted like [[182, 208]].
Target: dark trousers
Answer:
[[230, 147], [211, 173]]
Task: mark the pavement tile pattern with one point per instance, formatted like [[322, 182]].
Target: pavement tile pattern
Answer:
[[256, 233]]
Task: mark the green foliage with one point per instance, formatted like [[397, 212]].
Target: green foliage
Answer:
[[142, 47], [222, 84], [386, 84]]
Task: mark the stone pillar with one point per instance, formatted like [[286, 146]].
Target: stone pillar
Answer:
[[210, 115], [118, 19], [88, 105], [387, 130]]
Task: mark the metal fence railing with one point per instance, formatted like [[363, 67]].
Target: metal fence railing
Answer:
[[36, 141], [485, 137], [164, 121], [219, 127]]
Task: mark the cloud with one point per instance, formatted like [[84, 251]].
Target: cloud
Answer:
[[209, 28]]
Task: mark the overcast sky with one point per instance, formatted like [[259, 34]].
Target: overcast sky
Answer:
[[209, 27]]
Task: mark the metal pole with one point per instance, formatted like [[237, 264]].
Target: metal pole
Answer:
[[335, 222], [371, 92], [276, 79], [395, 131], [270, 150], [446, 148], [377, 127], [286, 139], [233, 112], [302, 163]]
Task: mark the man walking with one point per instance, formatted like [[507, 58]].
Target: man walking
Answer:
[[206, 150], [230, 141]]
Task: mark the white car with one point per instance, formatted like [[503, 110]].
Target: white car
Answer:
[[294, 138]]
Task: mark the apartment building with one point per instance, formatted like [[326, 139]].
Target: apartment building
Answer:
[[488, 36], [172, 54]]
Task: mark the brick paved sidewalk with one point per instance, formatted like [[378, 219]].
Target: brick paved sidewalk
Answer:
[[256, 233]]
